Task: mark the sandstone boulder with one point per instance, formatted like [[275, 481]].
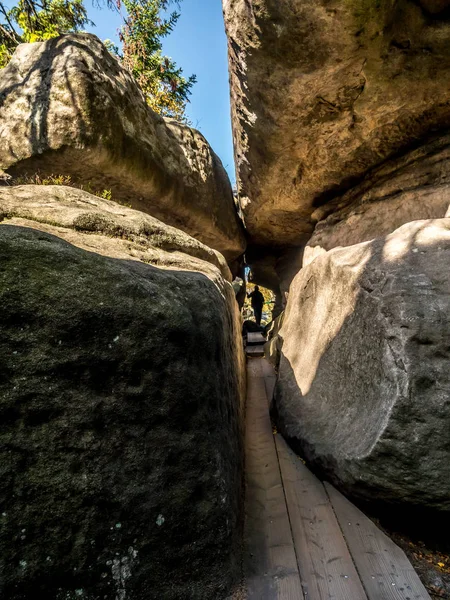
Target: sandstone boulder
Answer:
[[121, 389], [401, 191], [137, 234], [324, 92], [364, 381], [68, 108]]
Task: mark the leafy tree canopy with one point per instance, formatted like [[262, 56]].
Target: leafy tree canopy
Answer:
[[36, 20], [166, 89], [161, 80]]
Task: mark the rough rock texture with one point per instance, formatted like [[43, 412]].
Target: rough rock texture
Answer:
[[275, 269], [121, 387], [68, 108], [322, 92], [417, 185], [364, 382], [274, 345], [137, 234]]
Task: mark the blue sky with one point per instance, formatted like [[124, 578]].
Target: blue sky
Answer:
[[198, 44]]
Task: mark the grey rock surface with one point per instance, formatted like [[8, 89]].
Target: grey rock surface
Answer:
[[324, 92], [274, 344], [121, 399], [364, 381], [136, 234], [415, 186], [68, 108]]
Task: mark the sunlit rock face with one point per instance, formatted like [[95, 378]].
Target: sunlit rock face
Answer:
[[68, 108], [341, 114], [121, 402], [324, 92], [412, 186], [364, 380]]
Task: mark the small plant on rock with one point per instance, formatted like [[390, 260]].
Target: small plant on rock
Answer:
[[66, 180]]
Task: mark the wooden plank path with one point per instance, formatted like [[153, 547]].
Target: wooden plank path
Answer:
[[255, 338], [383, 566], [255, 351], [303, 539], [270, 562]]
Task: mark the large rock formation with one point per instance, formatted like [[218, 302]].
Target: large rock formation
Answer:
[[396, 193], [141, 235], [68, 108], [121, 387], [322, 92], [364, 374]]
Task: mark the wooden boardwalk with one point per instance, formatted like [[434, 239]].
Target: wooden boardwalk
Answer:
[[303, 539]]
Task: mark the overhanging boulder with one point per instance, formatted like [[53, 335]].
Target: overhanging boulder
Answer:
[[68, 108], [415, 186], [324, 92]]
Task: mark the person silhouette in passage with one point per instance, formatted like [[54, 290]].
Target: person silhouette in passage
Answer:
[[257, 300]]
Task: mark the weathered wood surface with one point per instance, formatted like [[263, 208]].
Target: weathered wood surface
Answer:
[[270, 565], [324, 561], [255, 338], [255, 351], [270, 379], [383, 567], [304, 540]]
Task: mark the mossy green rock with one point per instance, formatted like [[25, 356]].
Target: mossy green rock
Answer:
[[121, 387]]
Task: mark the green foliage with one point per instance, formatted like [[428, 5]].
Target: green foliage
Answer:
[[36, 179], [105, 194], [65, 180], [37, 20], [5, 55], [162, 82]]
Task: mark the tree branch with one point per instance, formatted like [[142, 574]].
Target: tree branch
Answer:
[[10, 35]]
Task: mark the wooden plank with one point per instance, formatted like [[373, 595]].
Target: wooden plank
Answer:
[[270, 383], [254, 369], [255, 338], [267, 369], [383, 567], [324, 561], [254, 351], [270, 379], [270, 565]]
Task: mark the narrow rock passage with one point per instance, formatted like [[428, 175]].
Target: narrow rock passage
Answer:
[[303, 539], [270, 563]]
